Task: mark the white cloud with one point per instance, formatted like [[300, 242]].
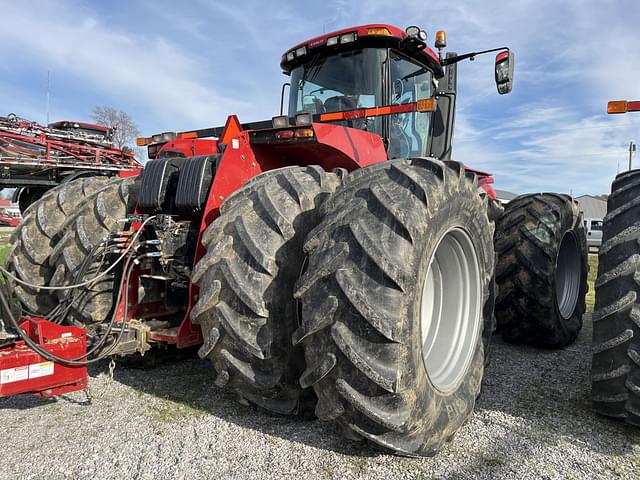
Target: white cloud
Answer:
[[192, 67], [149, 73]]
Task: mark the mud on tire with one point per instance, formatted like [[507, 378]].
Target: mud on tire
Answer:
[[362, 295], [34, 240], [246, 307], [95, 218], [615, 374], [542, 270]]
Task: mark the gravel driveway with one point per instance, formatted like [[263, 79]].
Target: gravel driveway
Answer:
[[532, 421]]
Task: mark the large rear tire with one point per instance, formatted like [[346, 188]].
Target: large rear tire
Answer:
[[542, 270], [404, 248], [246, 307], [615, 371], [96, 217], [34, 239]]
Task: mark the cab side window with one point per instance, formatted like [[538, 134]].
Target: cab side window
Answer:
[[409, 132]]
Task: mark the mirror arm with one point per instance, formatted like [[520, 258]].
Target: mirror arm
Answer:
[[284, 85], [471, 55]]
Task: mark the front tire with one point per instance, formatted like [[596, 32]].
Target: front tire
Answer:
[[542, 270], [367, 297]]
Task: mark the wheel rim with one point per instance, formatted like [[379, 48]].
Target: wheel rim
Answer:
[[451, 311], [568, 275]]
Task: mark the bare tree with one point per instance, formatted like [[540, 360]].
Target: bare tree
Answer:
[[125, 129]]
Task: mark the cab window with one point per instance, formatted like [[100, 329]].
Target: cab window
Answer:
[[409, 132]]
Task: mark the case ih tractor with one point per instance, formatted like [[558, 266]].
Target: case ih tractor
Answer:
[[333, 260]]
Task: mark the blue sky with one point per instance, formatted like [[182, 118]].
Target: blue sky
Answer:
[[182, 65]]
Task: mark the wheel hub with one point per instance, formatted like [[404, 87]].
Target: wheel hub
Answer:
[[568, 275]]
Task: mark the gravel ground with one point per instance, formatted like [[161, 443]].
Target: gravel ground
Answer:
[[532, 421]]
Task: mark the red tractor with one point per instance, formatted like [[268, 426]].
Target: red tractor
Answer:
[[331, 260]]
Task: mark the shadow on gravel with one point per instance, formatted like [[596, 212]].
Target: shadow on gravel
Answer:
[[189, 382], [547, 392]]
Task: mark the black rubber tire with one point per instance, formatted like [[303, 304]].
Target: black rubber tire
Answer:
[[361, 296], [527, 241], [91, 224], [246, 307], [35, 237], [615, 370]]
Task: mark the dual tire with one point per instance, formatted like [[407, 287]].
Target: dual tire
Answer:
[[542, 268], [51, 243], [363, 317]]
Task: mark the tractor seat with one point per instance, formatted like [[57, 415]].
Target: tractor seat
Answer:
[[340, 104]]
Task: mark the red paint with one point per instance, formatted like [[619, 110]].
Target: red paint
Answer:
[[502, 56], [361, 31], [190, 147], [633, 106], [6, 220], [61, 341]]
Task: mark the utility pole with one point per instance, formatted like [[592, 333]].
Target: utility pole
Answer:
[[632, 150]]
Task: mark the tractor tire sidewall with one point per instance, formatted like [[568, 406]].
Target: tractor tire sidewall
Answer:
[[246, 308], [527, 247], [96, 217], [615, 365], [361, 299], [455, 211], [35, 239]]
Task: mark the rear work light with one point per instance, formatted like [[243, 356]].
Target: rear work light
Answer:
[[301, 51], [290, 56], [303, 119], [281, 121], [348, 37], [331, 41]]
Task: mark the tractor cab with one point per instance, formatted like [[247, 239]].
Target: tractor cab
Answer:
[[383, 80], [357, 72]]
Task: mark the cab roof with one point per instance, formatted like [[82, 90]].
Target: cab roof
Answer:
[[375, 34]]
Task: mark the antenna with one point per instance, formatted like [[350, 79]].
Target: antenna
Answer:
[[48, 94]]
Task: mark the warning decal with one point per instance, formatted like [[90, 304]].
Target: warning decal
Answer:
[[25, 372], [40, 369]]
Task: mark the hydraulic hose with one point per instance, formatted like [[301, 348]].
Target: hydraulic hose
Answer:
[[88, 282], [8, 314]]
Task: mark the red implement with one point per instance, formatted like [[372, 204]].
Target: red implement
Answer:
[[24, 371]]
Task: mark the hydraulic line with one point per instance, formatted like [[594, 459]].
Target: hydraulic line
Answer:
[[74, 361], [128, 267], [88, 282]]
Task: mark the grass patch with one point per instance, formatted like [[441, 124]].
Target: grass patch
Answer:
[[4, 252], [171, 412], [591, 279], [5, 248]]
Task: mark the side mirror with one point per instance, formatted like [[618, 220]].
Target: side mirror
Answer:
[[504, 72]]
